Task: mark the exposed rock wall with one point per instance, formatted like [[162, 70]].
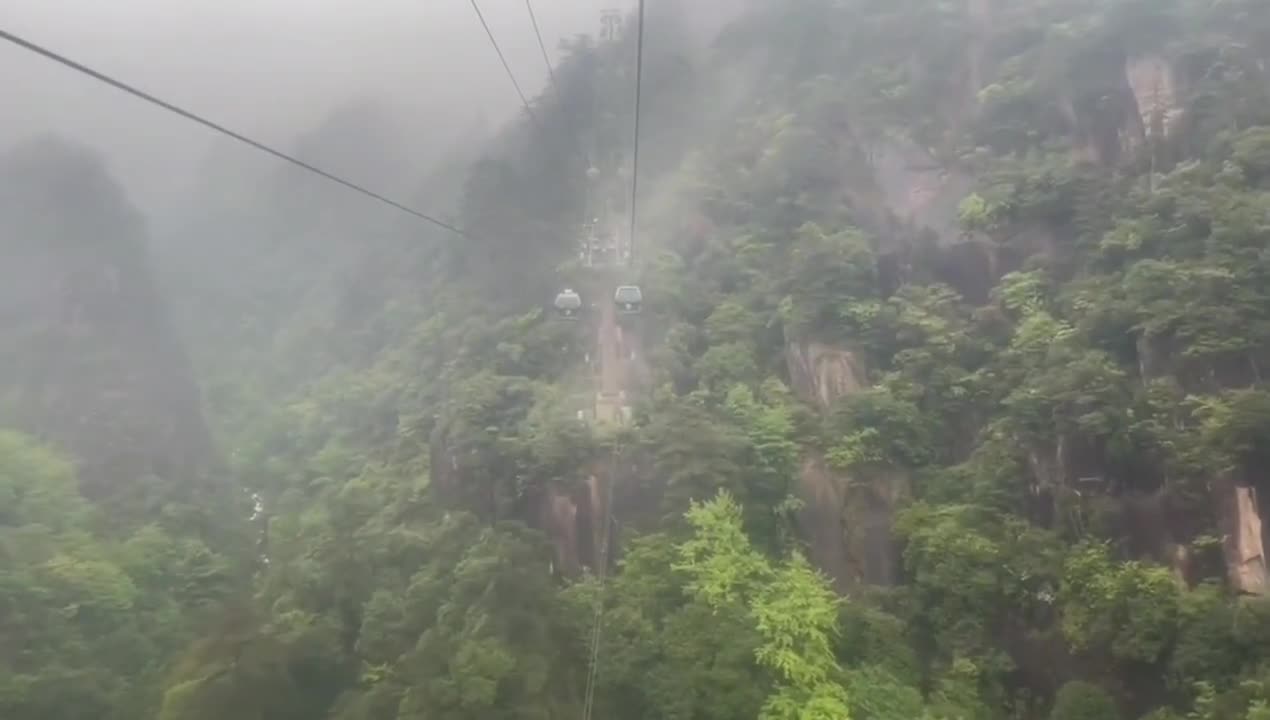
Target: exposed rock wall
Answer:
[[574, 523], [571, 518], [821, 521], [1243, 544], [1106, 136], [1153, 527], [847, 523], [1154, 86], [560, 520], [872, 549], [918, 190], [821, 374]]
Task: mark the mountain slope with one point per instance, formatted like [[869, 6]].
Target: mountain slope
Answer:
[[964, 302]]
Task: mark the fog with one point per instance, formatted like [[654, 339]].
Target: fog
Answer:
[[272, 69]]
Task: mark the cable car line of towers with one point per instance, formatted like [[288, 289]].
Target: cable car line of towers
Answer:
[[628, 300], [598, 238]]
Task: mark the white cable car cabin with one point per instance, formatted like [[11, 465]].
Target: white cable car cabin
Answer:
[[629, 299], [568, 304]]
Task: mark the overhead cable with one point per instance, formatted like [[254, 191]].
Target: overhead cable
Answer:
[[597, 629], [101, 77], [588, 705], [551, 71], [510, 75], [639, 86]]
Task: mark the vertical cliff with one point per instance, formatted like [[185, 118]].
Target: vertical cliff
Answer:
[[88, 357]]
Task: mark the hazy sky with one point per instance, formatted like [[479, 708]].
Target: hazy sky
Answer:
[[271, 68]]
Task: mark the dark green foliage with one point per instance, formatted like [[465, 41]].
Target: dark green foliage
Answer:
[[830, 271], [877, 428], [70, 598], [1078, 700], [1129, 610], [1208, 646], [1035, 314]]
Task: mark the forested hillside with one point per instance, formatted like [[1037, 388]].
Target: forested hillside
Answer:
[[948, 395]]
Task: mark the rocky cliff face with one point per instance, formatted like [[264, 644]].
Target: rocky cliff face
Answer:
[[1116, 107], [571, 518], [846, 520], [88, 359], [1111, 119], [847, 523], [1155, 91], [821, 374], [1239, 514]]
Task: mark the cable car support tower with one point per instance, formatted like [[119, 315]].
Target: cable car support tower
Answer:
[[614, 376]]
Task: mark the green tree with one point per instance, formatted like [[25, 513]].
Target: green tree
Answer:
[[791, 605]]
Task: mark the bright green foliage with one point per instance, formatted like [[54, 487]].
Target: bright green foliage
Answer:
[[793, 610], [796, 616], [666, 652], [975, 214], [718, 557]]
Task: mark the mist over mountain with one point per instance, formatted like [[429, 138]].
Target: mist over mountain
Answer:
[[913, 369]]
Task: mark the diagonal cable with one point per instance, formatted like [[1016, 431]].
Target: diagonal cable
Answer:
[[639, 87], [78, 67], [511, 76], [551, 71], [588, 703]]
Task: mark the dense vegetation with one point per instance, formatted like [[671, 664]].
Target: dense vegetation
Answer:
[[1017, 498]]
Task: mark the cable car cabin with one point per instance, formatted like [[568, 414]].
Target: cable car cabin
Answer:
[[568, 305], [629, 299]]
